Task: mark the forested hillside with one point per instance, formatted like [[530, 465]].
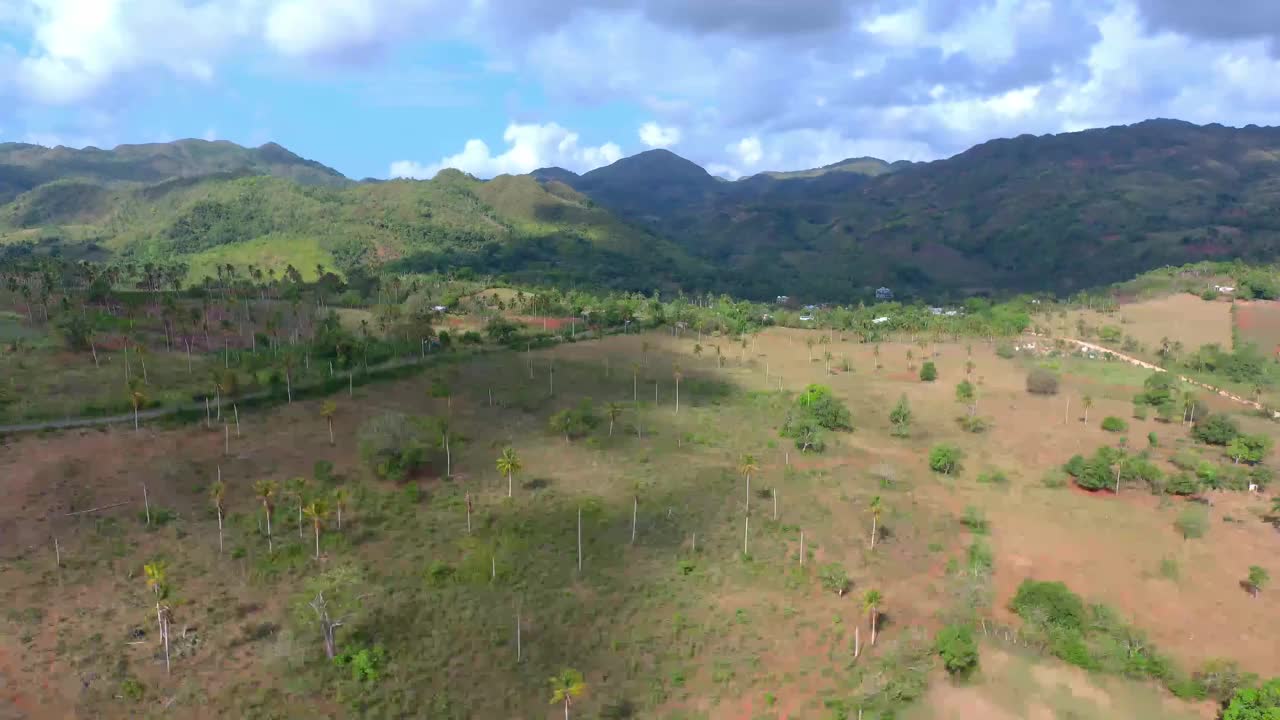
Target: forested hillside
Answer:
[[1059, 213]]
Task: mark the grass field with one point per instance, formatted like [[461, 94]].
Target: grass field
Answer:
[[1182, 317], [655, 625], [1258, 322]]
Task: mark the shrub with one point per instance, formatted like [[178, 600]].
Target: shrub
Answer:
[[575, 422], [1250, 703], [973, 424], [1050, 604], [975, 520], [1111, 423], [1005, 350], [816, 409], [993, 477], [1054, 478], [1042, 382], [900, 417], [1221, 679], [1153, 440], [1192, 522], [392, 445], [928, 371], [1139, 411], [1096, 472], [1249, 448], [1215, 430], [957, 648], [944, 458], [834, 578]]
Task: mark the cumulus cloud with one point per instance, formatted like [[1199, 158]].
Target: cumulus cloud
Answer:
[[654, 135], [529, 147], [919, 78]]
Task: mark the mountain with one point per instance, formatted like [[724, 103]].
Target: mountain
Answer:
[[25, 167], [1055, 212], [251, 207], [1049, 213]]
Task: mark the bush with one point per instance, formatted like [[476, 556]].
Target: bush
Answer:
[[1192, 522], [993, 477], [1251, 703], [957, 648], [975, 520], [1215, 430], [1139, 411], [928, 371], [1042, 382], [816, 409], [1094, 473], [944, 458], [834, 578], [575, 422], [392, 445], [1111, 423], [1054, 478], [973, 424], [1005, 350], [1050, 604]]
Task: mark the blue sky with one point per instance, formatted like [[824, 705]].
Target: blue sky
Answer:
[[404, 87]]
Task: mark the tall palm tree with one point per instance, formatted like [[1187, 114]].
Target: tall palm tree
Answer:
[[327, 411], [875, 352], [746, 466], [341, 499], [266, 491], [218, 494], [644, 352], [296, 487], [876, 508], [566, 686], [157, 583], [1087, 401], [612, 410], [870, 602], [509, 465], [677, 375], [316, 511], [138, 398]]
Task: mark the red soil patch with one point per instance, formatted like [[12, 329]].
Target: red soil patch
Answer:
[[550, 323]]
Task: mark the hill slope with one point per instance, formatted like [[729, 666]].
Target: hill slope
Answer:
[[1057, 212], [24, 167]]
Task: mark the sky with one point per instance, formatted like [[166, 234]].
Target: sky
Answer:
[[387, 88]]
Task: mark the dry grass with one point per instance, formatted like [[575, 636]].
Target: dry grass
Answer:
[[710, 645], [1182, 317]]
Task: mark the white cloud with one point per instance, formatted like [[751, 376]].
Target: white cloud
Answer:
[[748, 151], [529, 147], [656, 136]]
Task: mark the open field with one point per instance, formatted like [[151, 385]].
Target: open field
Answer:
[[1258, 322], [655, 625], [1182, 317]]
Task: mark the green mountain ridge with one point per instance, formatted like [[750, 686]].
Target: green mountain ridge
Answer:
[[1031, 213]]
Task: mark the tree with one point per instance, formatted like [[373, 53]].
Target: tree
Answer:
[[1192, 522], [1260, 703], [959, 651], [969, 367], [217, 494], [1087, 402], [341, 500], [1215, 430], [266, 491], [327, 410], [900, 417], [871, 602], [157, 582], [834, 578], [612, 411], [138, 398], [1042, 382], [1111, 423], [509, 465], [329, 599], [965, 394], [928, 371], [296, 488], [746, 466], [1249, 448], [316, 511], [1258, 577], [876, 507], [944, 458], [677, 375], [566, 686], [392, 445]]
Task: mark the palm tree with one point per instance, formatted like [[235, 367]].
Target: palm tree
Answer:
[[968, 367], [635, 383], [876, 508], [875, 352], [341, 499], [217, 494], [138, 398], [612, 410], [566, 686], [808, 342], [157, 583], [327, 410], [911, 360], [316, 511], [870, 601], [644, 352], [266, 490], [677, 375], [509, 465], [1087, 401], [297, 489], [747, 465]]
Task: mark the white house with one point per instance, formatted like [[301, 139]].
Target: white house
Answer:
[[1224, 288], [881, 319]]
